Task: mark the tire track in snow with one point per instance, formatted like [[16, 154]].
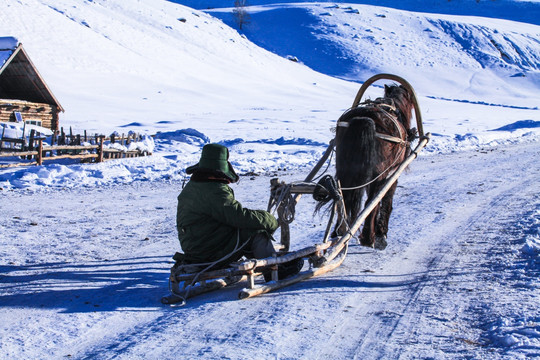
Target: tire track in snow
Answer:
[[377, 304], [386, 326]]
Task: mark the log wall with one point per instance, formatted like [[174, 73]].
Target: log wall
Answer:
[[30, 111]]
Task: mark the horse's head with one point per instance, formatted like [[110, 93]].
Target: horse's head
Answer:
[[403, 101]]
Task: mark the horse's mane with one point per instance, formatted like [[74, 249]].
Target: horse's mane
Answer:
[[402, 100]]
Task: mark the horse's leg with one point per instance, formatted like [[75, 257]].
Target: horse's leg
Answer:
[[381, 229], [367, 238]]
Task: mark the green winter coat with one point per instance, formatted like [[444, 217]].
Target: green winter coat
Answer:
[[207, 220]]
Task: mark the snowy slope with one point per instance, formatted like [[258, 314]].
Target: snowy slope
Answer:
[[445, 56], [138, 65], [153, 65], [515, 10]]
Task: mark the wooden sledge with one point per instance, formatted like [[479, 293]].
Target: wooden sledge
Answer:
[[322, 257]]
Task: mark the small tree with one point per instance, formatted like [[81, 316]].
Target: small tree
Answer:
[[240, 13]]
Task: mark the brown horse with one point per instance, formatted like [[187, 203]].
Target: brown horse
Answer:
[[372, 140]]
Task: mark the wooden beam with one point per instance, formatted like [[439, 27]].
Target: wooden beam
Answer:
[[18, 153], [274, 285]]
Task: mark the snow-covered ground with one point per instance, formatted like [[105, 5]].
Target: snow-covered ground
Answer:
[[158, 67], [83, 271], [85, 249]]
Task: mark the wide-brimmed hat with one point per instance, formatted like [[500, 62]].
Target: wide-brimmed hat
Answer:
[[215, 158]]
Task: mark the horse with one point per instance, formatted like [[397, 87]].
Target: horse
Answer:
[[372, 140]]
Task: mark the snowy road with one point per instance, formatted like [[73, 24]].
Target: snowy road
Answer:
[[82, 271]]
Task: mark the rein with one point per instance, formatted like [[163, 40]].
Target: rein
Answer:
[[374, 179]]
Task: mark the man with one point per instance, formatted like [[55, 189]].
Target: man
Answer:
[[213, 228]]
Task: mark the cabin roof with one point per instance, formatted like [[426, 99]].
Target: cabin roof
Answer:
[[19, 78]]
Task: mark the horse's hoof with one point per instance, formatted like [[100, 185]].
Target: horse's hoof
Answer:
[[380, 242], [366, 243]]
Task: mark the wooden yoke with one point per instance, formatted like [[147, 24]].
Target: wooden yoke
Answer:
[[405, 84]]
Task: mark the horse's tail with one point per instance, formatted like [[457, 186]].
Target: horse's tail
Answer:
[[356, 158]]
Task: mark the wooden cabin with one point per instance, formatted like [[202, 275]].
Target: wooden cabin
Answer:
[[24, 95]]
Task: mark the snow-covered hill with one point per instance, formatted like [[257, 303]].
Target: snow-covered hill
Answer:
[[515, 10], [453, 57], [158, 66], [154, 65]]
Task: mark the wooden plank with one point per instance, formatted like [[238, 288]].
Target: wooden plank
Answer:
[[70, 147], [67, 156], [192, 291], [274, 285], [18, 153], [18, 164], [209, 274], [14, 141], [255, 263], [30, 111]]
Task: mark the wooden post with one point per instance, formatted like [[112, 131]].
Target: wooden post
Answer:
[[61, 140], [31, 143], [23, 137], [100, 150], [39, 157], [1, 139]]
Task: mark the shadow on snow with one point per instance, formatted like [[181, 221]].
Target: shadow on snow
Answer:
[[134, 283]]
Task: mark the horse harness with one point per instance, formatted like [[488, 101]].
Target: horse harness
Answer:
[[401, 140]]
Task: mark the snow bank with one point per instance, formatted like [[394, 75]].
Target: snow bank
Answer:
[[7, 45], [515, 334], [176, 150], [146, 144], [150, 168], [531, 247], [15, 130]]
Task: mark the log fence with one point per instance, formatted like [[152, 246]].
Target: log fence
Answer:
[[66, 147]]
